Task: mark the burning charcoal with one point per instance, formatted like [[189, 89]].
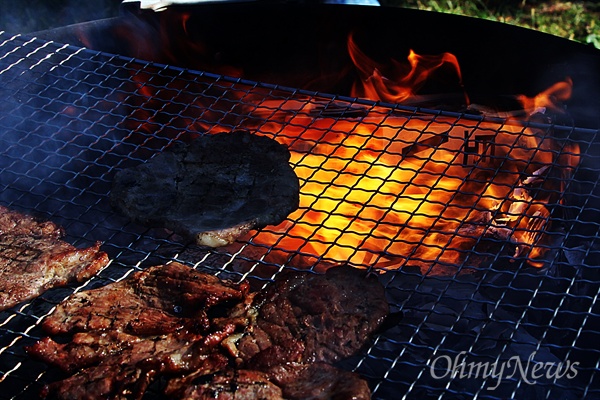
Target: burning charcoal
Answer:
[[213, 190], [523, 217]]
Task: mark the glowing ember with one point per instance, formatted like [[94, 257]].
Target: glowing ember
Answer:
[[383, 189], [389, 189]]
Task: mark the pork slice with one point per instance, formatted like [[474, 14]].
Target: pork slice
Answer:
[[213, 339], [228, 384], [125, 335], [16, 223], [318, 381], [291, 381], [128, 374]]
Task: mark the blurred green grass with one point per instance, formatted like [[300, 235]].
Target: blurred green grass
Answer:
[[574, 20]]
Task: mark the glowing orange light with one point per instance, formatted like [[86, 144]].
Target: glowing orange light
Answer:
[[389, 190], [401, 81], [386, 189]]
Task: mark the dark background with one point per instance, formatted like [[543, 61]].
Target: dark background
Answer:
[[577, 20], [26, 16]]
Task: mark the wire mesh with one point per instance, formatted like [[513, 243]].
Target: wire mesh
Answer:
[[484, 230]]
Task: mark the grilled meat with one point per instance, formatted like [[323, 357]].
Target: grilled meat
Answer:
[[33, 258], [127, 333], [229, 384], [158, 300], [128, 373], [213, 190], [213, 339], [318, 381], [313, 381], [305, 317]]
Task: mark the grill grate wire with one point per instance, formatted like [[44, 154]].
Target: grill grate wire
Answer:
[[70, 118]]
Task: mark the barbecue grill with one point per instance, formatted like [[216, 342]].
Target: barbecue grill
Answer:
[[482, 225]]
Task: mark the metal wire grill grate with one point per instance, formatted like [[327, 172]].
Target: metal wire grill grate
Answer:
[[485, 229]]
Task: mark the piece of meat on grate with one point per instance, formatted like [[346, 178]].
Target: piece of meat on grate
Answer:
[[158, 300], [229, 384], [306, 317], [318, 381], [213, 190], [128, 373], [292, 330], [208, 336], [126, 334], [33, 258], [313, 381]]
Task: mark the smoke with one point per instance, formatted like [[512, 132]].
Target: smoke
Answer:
[[37, 15]]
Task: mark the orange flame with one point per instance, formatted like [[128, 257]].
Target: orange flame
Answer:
[[387, 190], [402, 81], [384, 189], [551, 98], [391, 191]]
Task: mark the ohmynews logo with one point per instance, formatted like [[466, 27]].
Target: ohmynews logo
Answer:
[[530, 371]]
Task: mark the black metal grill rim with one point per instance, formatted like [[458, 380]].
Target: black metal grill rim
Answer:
[[495, 313]]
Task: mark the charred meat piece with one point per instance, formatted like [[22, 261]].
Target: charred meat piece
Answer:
[[127, 374], [33, 258], [291, 331], [158, 300], [313, 381], [213, 190], [15, 223], [305, 317]]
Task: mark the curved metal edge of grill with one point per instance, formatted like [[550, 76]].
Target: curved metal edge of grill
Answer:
[[493, 316]]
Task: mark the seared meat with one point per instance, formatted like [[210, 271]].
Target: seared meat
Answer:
[[304, 317], [158, 300], [127, 374], [213, 339], [34, 259], [15, 223], [318, 381], [230, 384], [127, 333], [213, 190], [313, 381]]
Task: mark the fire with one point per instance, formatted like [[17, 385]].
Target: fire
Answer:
[[392, 190], [388, 190], [551, 98], [401, 81]]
